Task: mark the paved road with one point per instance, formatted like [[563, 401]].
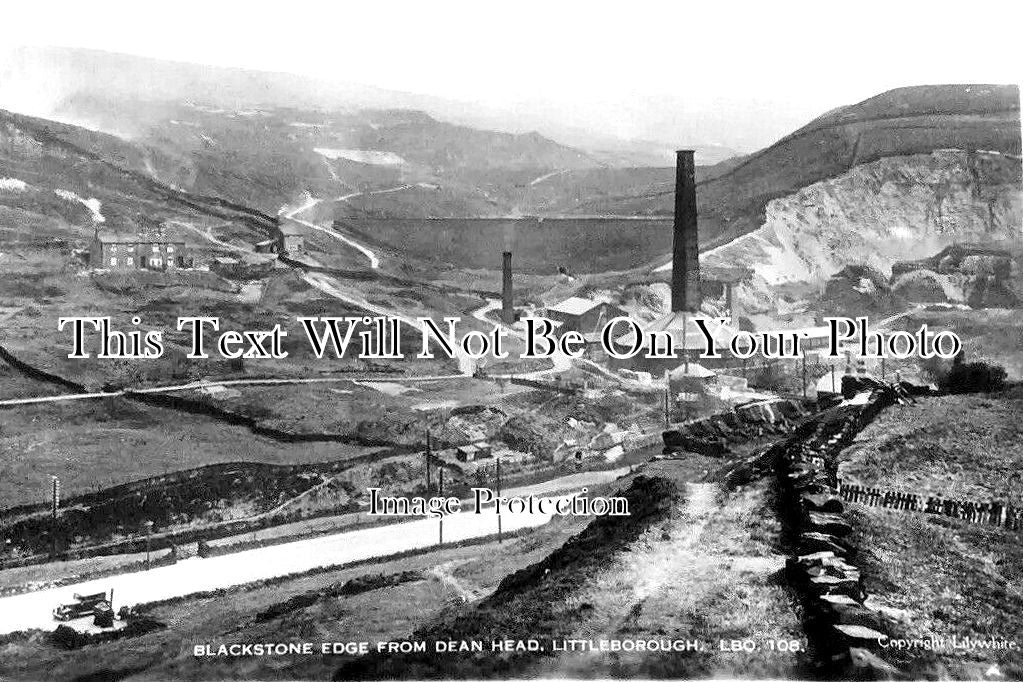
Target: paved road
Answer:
[[34, 609]]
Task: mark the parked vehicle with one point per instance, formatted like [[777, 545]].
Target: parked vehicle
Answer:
[[84, 605]]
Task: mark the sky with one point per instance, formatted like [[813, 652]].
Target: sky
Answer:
[[735, 73]]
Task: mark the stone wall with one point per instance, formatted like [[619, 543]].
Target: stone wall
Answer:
[[844, 626]]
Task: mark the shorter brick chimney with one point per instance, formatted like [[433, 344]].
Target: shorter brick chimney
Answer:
[[507, 309]]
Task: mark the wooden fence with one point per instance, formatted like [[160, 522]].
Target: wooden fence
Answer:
[[989, 512]]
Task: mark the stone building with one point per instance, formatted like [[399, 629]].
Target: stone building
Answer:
[[291, 239], [148, 248]]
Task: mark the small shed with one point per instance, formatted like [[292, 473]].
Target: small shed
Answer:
[[583, 314], [690, 380], [291, 239], [473, 451]]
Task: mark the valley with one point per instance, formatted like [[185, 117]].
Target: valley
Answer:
[[225, 500]]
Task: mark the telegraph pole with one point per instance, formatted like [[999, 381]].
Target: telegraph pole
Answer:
[[149, 531], [440, 478], [427, 461], [667, 399], [498, 496], [54, 508], [804, 376]]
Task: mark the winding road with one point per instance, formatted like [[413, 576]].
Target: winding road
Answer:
[[374, 260], [33, 610]]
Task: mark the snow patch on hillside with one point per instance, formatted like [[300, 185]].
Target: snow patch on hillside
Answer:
[[92, 203], [13, 185], [373, 157]]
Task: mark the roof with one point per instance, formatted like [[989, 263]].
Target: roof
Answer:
[[289, 227], [692, 369], [479, 447], [576, 305], [691, 337], [110, 238], [805, 332]]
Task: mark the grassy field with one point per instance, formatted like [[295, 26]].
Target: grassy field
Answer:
[[948, 576], [99, 443], [953, 446]]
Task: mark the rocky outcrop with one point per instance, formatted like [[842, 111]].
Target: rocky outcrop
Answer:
[[979, 275], [713, 435], [923, 286], [878, 214], [857, 289]]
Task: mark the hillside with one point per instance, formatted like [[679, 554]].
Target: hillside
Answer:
[[252, 137], [872, 218], [265, 157], [44, 79], [953, 196], [902, 122], [82, 178]]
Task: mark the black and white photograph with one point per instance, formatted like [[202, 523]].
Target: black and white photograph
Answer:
[[511, 340]]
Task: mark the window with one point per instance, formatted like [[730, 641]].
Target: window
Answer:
[[113, 262], [113, 248], [156, 248], [170, 249], [156, 262]]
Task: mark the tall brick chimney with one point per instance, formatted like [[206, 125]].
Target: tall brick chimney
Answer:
[[685, 261], [507, 310]]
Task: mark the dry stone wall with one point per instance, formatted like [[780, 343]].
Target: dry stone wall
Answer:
[[844, 627]]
